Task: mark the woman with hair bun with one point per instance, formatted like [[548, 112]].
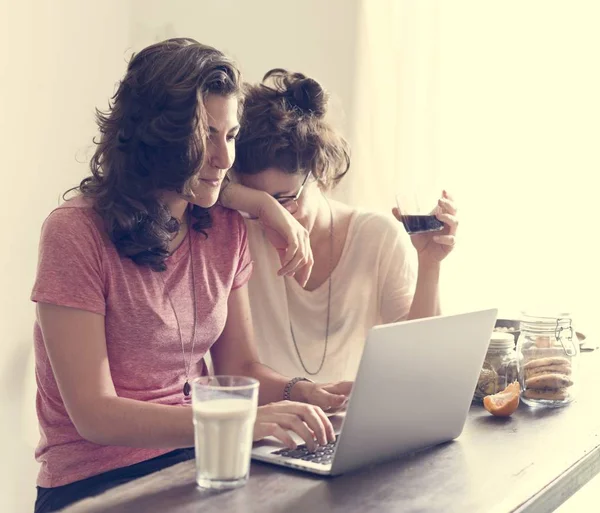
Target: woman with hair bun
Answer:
[[366, 270]]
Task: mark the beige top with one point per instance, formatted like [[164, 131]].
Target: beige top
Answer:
[[372, 284]]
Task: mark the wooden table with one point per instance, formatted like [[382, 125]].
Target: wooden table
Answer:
[[530, 462]]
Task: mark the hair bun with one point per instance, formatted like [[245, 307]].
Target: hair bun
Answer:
[[301, 92], [308, 95]]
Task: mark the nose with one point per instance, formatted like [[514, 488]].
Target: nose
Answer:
[[221, 154]]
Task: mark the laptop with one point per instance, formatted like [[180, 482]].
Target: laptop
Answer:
[[413, 390]]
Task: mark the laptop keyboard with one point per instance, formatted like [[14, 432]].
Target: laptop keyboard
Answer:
[[322, 455]]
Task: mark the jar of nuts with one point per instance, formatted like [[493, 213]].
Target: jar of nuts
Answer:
[[548, 355], [499, 367]]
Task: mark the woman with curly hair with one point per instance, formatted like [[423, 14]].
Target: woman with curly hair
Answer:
[[140, 274]]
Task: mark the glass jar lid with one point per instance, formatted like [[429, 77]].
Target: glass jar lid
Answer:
[[556, 323], [540, 321], [502, 340]]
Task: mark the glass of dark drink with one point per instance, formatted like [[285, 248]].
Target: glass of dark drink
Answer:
[[417, 212]]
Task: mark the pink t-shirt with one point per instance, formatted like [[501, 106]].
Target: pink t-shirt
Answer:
[[79, 267]]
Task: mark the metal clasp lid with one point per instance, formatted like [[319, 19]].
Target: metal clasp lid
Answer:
[[558, 332]]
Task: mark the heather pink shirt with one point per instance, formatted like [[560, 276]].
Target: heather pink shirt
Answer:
[[79, 267]]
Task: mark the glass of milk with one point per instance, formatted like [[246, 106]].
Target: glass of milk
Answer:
[[224, 414]]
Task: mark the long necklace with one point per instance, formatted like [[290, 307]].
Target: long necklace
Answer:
[[328, 303], [186, 367]]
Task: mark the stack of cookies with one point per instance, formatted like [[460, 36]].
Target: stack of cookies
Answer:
[[547, 378]]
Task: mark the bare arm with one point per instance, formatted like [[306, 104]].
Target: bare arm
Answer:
[[235, 353], [76, 345], [102, 417], [432, 249], [239, 197], [286, 234], [426, 301]]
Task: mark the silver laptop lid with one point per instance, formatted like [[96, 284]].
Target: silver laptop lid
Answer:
[[414, 387]]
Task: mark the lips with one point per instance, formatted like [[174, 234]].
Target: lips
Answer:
[[212, 182]]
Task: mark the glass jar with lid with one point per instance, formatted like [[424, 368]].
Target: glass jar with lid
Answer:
[[548, 358], [499, 367]]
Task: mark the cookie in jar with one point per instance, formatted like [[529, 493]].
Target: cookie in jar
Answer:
[[548, 358]]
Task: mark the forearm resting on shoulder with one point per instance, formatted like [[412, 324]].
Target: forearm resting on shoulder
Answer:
[[239, 197]]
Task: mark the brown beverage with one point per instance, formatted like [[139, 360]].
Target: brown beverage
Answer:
[[421, 223]]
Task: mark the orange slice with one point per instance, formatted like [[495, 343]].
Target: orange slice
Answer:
[[504, 403]]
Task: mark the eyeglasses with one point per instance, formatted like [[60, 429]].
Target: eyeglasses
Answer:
[[287, 201]]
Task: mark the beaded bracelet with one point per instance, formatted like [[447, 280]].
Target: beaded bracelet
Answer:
[[287, 391]]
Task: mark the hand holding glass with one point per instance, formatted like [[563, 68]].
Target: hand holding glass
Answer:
[[417, 213]]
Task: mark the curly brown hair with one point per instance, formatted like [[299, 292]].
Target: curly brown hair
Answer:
[[283, 126], [152, 139]]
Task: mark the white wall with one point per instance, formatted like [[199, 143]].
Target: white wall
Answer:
[[59, 60], [395, 103], [498, 103], [519, 132]]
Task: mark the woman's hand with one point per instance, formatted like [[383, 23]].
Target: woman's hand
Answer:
[[307, 421], [330, 397], [433, 247], [289, 237]]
